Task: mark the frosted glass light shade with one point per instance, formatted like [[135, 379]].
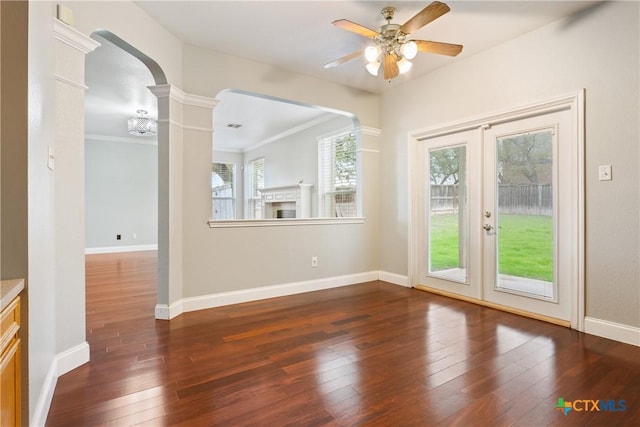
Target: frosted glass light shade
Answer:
[[371, 53], [373, 67], [404, 65], [409, 49]]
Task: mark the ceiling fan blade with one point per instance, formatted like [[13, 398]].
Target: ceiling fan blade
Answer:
[[390, 66], [440, 48], [344, 59], [430, 13], [345, 24]]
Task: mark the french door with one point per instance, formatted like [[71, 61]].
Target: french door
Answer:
[[499, 213]]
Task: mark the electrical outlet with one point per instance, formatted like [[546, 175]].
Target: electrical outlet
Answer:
[[314, 261], [118, 236], [134, 236], [604, 173]]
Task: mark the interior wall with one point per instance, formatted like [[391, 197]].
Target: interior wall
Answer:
[[232, 259], [14, 241], [130, 23], [558, 59], [121, 193], [281, 171], [207, 73]]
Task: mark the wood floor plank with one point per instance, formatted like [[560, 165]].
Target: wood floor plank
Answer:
[[372, 354]]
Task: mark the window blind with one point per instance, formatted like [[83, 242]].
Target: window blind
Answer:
[[223, 190], [337, 175], [256, 171]]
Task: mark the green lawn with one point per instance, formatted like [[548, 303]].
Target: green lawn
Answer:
[[525, 245]]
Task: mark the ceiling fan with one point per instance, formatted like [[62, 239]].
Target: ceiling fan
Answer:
[[390, 47]]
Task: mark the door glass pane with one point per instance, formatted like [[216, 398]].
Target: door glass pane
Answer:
[[525, 213], [448, 213]]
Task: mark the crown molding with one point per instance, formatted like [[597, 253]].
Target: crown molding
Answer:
[[304, 126], [177, 94], [72, 37], [370, 131], [128, 140]]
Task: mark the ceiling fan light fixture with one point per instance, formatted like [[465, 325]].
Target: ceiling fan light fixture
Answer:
[[141, 125], [371, 53], [409, 49], [404, 65], [373, 67]]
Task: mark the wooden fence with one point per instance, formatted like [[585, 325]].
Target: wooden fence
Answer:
[[523, 199]]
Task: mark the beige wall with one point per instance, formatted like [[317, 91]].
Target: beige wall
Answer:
[[207, 73], [555, 60], [221, 260], [130, 23], [13, 155]]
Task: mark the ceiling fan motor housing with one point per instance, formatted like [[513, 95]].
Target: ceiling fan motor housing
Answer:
[[390, 38]]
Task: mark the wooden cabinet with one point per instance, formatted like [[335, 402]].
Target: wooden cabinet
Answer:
[[10, 364]]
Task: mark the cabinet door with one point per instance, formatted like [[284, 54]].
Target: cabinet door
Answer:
[[10, 385]]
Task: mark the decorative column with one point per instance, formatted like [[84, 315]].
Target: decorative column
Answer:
[[67, 163], [185, 128]]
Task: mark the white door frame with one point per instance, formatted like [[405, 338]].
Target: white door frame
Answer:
[[575, 103]]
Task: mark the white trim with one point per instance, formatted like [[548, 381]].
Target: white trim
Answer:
[[200, 101], [161, 91], [369, 131], [185, 127], [296, 129], [45, 397], [185, 305], [488, 120], [127, 140], [367, 150], [69, 82], [579, 311], [177, 94], [283, 222], [115, 249], [573, 102], [60, 365], [194, 128], [72, 37], [611, 330], [72, 358], [393, 278]]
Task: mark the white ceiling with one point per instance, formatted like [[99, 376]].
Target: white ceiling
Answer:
[[298, 36]]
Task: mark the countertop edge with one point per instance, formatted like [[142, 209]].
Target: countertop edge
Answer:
[[9, 289]]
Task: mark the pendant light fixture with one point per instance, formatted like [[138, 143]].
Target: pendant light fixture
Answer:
[[141, 125]]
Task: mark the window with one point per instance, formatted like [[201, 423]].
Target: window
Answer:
[[223, 190], [337, 176], [256, 183]]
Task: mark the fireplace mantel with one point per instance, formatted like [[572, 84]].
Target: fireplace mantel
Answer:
[[286, 200]]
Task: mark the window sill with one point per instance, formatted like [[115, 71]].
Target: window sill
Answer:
[[240, 223]]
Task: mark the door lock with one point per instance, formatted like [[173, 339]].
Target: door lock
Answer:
[[487, 214], [487, 227]]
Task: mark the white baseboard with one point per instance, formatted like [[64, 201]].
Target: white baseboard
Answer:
[[614, 331], [185, 305], [61, 364], [72, 358], [115, 249], [393, 278], [41, 410]]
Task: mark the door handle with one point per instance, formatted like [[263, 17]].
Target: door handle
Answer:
[[487, 227]]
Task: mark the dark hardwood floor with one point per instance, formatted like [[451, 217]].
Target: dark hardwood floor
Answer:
[[372, 354]]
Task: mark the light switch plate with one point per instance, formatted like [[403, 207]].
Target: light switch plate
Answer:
[[604, 172], [50, 158]]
